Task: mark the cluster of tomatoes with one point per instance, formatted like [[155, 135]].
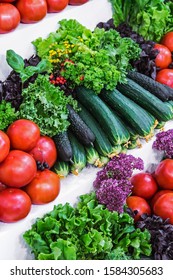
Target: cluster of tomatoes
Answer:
[[164, 60], [12, 12], [21, 182], [153, 193]]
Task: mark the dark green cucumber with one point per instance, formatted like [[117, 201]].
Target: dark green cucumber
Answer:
[[160, 110], [104, 116], [136, 117], [62, 168], [161, 91], [92, 156], [79, 155], [80, 128], [103, 161], [63, 146], [160, 125], [101, 143]]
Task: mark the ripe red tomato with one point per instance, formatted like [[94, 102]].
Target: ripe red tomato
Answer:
[[9, 17], [18, 169], [45, 151], [157, 195], [77, 2], [165, 76], [167, 40], [23, 134], [7, 1], [163, 207], [54, 6], [15, 204], [164, 174], [144, 185], [164, 57], [44, 188], [31, 11], [4, 145], [2, 186], [139, 204]]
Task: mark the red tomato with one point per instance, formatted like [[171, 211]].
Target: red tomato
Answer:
[[165, 76], [4, 145], [167, 40], [54, 6], [157, 195], [2, 186], [45, 151], [9, 17], [77, 2], [163, 207], [32, 11], [15, 205], [44, 188], [23, 134], [7, 1], [139, 204], [164, 174], [18, 169], [164, 57], [144, 185]]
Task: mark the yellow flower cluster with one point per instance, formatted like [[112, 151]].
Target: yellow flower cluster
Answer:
[[56, 53]]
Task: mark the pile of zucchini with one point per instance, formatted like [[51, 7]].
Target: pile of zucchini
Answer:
[[107, 124]]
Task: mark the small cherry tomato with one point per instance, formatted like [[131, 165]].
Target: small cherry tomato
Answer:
[[157, 195], [165, 76], [31, 11], [167, 40], [18, 169], [45, 151], [4, 145], [163, 207], [139, 204], [54, 6], [23, 134], [164, 57], [164, 174], [144, 185], [15, 204], [9, 17], [44, 188]]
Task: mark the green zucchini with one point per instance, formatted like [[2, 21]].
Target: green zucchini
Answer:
[[161, 91], [136, 117], [116, 132], [79, 155], [92, 156], [101, 143], [160, 110], [61, 168], [160, 125], [80, 128], [103, 161], [63, 146]]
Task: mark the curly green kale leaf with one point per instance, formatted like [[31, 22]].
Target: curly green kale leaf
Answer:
[[45, 104], [7, 114]]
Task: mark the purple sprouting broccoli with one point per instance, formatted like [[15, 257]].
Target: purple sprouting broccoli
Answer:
[[113, 193], [164, 142], [119, 167]]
